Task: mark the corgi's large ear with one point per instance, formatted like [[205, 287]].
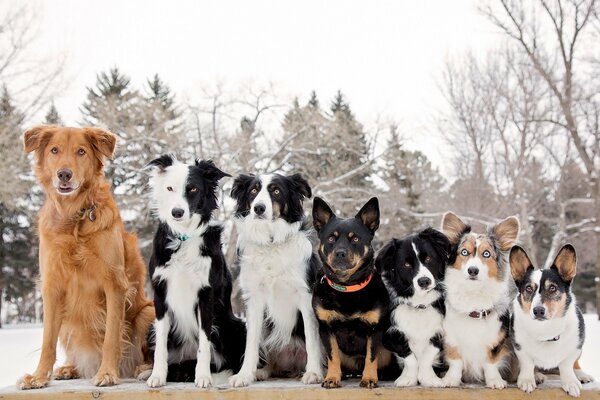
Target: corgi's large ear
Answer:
[[566, 262], [103, 142], [519, 263], [369, 214], [321, 213], [160, 164], [385, 257], [453, 227], [36, 136], [506, 233], [210, 170]]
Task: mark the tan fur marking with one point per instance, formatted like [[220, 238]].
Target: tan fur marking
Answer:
[[334, 369], [452, 353], [371, 317], [556, 308], [369, 376], [490, 262], [494, 358]]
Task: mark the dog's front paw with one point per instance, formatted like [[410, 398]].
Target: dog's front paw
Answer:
[[368, 383], [203, 381], [105, 378], [262, 374], [156, 380], [583, 377], [539, 378], [66, 372], [312, 377], [406, 380], [572, 387], [451, 381], [431, 381], [495, 383], [331, 382], [32, 382], [527, 384], [241, 379]]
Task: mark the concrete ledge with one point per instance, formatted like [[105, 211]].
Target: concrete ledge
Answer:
[[285, 389]]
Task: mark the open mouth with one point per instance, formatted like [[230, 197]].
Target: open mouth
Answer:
[[65, 188]]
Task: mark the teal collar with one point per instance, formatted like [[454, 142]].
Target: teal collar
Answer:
[[183, 237]]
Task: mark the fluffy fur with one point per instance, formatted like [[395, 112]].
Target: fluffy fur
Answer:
[[548, 327], [192, 284], [477, 281], [277, 272], [413, 270], [92, 274]]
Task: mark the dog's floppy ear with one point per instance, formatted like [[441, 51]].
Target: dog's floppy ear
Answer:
[[439, 241], [301, 185], [566, 262], [33, 138], [102, 141], [161, 163], [369, 214], [321, 213], [453, 227], [240, 184], [385, 257], [519, 263], [506, 233], [210, 170]]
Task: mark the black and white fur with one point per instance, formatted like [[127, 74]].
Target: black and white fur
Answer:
[[277, 272], [548, 327], [192, 285], [413, 270]]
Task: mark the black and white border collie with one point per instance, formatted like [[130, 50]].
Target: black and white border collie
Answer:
[[192, 285], [413, 270], [548, 328], [277, 271]]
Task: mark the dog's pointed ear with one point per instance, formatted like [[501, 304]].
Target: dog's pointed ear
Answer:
[[519, 263], [301, 185], [453, 227], [506, 233], [566, 262], [321, 213], [103, 142], [210, 170], [33, 138], [369, 214], [385, 257], [438, 240], [160, 164], [240, 184]]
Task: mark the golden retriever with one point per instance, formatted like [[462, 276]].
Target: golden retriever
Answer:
[[92, 273]]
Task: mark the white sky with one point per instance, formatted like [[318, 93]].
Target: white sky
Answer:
[[384, 55]]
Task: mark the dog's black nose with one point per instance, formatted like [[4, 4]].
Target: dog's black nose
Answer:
[[341, 253], [539, 312], [473, 271], [259, 209], [64, 174], [177, 212], [424, 282]]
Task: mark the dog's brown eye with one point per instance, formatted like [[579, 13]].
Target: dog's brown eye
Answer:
[[193, 190], [169, 188], [428, 259], [529, 288], [54, 150], [552, 288], [81, 152], [331, 239]]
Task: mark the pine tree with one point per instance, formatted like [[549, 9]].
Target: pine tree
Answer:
[[52, 116]]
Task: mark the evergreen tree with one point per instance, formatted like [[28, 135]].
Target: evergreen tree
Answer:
[[52, 116]]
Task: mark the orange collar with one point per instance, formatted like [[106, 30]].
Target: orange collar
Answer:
[[351, 288]]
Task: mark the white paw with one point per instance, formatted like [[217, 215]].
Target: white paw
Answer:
[[495, 383], [406, 380], [203, 381], [241, 379], [156, 381], [539, 378], [144, 375], [573, 387], [451, 381], [431, 381], [312, 377], [527, 384], [583, 377], [262, 374]]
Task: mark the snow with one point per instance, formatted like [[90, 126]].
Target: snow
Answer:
[[20, 350]]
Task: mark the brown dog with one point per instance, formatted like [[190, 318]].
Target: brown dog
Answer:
[[92, 274]]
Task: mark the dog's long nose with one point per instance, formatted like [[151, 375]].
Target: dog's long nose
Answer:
[[539, 312], [259, 209], [473, 271], [177, 212], [424, 282], [340, 253], [64, 174]]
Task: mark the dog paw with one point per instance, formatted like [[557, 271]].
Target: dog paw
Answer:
[[32, 382], [451, 381], [144, 375], [572, 387], [539, 378], [583, 377], [262, 374], [527, 384], [331, 382], [495, 383], [156, 381], [241, 379], [431, 381], [368, 383], [105, 378], [404, 381], [203, 381], [311, 377], [66, 372]]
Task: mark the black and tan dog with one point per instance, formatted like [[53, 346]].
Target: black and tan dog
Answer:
[[350, 299]]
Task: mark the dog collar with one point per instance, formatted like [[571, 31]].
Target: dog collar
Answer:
[[350, 288], [183, 237], [480, 314], [90, 212]]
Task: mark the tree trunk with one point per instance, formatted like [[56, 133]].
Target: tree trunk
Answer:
[[596, 189]]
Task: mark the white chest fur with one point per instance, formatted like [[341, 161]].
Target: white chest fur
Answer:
[[419, 325]]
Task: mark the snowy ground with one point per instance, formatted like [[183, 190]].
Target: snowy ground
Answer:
[[20, 350]]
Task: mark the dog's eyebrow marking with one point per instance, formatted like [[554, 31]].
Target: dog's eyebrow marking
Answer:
[[336, 233], [351, 235]]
